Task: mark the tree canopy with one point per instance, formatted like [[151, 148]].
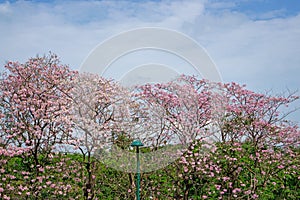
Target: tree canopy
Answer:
[[67, 135]]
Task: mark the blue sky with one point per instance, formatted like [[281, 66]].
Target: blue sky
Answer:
[[287, 8], [252, 42], [253, 8]]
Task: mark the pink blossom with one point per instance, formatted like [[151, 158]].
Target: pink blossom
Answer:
[[6, 197], [280, 166], [236, 190], [185, 169], [218, 187], [247, 192], [48, 182]]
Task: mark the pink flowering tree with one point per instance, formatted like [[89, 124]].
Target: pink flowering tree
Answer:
[[258, 118], [101, 115], [66, 135], [34, 101], [256, 154], [179, 113], [258, 142]]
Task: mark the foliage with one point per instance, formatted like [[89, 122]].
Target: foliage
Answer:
[[57, 127]]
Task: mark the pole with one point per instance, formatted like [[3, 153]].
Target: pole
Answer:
[[137, 144], [138, 180]]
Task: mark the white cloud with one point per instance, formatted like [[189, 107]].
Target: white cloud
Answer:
[[258, 49], [73, 28], [264, 54], [5, 8]]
